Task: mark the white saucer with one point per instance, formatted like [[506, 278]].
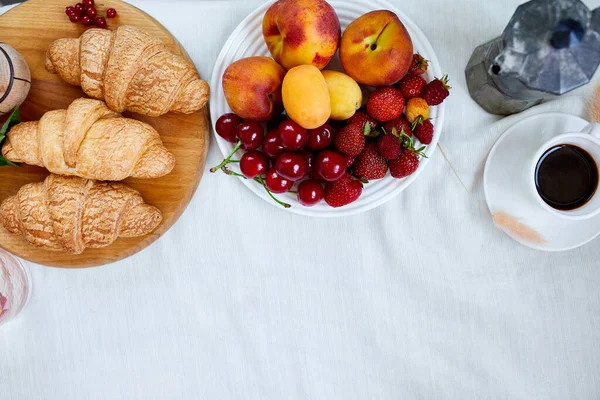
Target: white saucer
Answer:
[[506, 191]]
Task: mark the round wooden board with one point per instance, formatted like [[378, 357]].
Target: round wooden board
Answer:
[[30, 28]]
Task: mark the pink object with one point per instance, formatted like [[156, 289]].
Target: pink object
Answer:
[[15, 287]]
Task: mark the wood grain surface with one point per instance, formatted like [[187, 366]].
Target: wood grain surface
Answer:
[[30, 28]]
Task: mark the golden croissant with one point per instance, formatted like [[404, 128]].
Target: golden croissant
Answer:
[[90, 141], [130, 70], [70, 214]]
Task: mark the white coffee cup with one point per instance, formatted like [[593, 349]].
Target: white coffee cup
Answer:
[[589, 140]]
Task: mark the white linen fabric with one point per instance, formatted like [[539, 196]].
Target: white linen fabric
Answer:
[[421, 298]]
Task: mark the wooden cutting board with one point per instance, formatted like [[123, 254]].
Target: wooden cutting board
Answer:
[[30, 28]]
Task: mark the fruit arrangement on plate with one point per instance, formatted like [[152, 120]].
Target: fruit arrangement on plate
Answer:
[[315, 131]]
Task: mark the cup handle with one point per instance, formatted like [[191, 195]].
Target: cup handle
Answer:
[[593, 129]]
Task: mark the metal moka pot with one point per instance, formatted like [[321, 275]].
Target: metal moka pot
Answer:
[[548, 48]]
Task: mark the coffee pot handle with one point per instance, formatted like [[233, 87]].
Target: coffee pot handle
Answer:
[[593, 129]]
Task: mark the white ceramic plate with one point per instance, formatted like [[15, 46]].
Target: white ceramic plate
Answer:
[[505, 183], [247, 40]]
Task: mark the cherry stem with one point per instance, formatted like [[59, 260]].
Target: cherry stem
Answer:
[[281, 203], [228, 159]]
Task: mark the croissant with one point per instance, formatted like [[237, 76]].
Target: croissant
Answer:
[[130, 70], [70, 214], [90, 141]]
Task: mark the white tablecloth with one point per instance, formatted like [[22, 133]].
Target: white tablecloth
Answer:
[[419, 299]]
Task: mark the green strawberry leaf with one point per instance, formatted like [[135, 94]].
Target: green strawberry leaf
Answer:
[[10, 122]]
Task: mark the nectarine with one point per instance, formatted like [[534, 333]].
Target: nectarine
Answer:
[[252, 87], [301, 32], [376, 49]]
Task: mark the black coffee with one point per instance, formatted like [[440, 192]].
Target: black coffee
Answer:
[[566, 177]]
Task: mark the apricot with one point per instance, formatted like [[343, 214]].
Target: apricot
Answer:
[[344, 93], [306, 96]]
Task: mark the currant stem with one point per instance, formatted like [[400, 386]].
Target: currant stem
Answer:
[[228, 159], [271, 194]]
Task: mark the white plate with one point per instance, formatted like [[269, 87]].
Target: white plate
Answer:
[[247, 40], [506, 185]]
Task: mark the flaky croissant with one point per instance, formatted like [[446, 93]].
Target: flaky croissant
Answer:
[[130, 70], [70, 214], [90, 141]]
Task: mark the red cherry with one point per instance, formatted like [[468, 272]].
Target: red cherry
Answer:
[[349, 161], [253, 164], [309, 158], [75, 17], [292, 166], [271, 145], [111, 13], [292, 136], [251, 134], [100, 22], [276, 183], [274, 122], [79, 7], [69, 10], [88, 3], [320, 138], [91, 12], [86, 20], [226, 125], [310, 192], [330, 165]]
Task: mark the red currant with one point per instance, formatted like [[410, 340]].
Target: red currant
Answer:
[[100, 22], [271, 145], [292, 166], [75, 17], [330, 165], [88, 3], [320, 138], [276, 183], [111, 13], [251, 134], [310, 192], [292, 136], [92, 12], [253, 164], [226, 125], [79, 7], [69, 10], [86, 20]]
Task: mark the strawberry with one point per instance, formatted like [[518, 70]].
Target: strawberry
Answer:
[[415, 108], [408, 162], [419, 65], [370, 164], [436, 91], [397, 126], [423, 130], [343, 191], [411, 86], [405, 165], [360, 118], [389, 146], [386, 104], [351, 140]]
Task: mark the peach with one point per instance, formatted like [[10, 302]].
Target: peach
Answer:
[[344, 93], [306, 96], [252, 87], [301, 32], [376, 49]]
